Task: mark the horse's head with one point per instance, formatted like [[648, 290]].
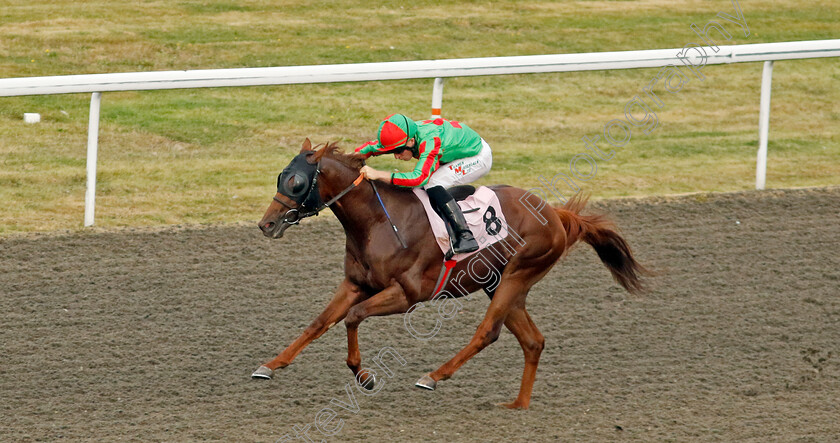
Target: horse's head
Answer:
[[297, 194], [304, 183]]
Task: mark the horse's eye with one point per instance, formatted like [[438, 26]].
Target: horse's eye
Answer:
[[297, 184]]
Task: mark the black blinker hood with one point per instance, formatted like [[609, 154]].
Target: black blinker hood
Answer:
[[299, 182]]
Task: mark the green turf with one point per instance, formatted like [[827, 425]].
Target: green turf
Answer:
[[212, 155]]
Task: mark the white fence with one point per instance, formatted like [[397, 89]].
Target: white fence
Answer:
[[437, 69]]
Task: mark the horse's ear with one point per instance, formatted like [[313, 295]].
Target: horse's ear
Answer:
[[307, 146]]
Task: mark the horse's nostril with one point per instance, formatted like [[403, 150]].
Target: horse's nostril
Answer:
[[266, 226]]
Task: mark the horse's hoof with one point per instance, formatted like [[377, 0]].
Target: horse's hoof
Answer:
[[367, 383], [263, 373], [426, 382], [512, 405]]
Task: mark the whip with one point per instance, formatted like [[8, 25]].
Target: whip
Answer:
[[394, 227]]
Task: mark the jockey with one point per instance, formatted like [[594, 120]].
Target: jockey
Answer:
[[448, 153]]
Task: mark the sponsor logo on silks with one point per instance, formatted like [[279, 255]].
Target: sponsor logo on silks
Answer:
[[463, 169]]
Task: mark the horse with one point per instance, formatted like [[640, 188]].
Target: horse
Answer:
[[381, 277]]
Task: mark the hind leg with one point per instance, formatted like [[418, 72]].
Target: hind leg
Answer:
[[532, 342]]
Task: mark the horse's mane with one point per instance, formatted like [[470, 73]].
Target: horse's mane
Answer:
[[331, 150]]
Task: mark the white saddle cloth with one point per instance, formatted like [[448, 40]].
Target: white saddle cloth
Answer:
[[487, 222]]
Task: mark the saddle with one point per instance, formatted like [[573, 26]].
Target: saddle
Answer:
[[482, 211], [461, 192]]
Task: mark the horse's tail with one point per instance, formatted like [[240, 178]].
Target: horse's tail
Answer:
[[600, 233]]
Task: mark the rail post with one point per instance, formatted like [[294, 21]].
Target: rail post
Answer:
[[93, 141], [763, 125], [437, 97]]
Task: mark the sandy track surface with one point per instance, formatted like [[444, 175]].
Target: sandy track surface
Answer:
[[152, 336]]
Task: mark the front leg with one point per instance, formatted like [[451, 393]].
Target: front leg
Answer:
[[508, 296], [347, 295], [391, 300]]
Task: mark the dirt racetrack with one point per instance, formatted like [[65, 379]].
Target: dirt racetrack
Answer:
[[149, 336]]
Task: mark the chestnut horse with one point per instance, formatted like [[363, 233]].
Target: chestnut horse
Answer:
[[383, 278]]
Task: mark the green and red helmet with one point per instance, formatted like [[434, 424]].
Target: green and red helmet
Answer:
[[394, 132]]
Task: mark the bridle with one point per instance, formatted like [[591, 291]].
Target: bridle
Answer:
[[297, 215]]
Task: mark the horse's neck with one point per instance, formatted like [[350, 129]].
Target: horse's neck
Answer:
[[354, 210], [359, 211]]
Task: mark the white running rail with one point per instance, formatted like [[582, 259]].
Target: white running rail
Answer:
[[437, 69]]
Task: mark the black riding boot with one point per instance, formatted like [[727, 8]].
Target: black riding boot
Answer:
[[449, 210]]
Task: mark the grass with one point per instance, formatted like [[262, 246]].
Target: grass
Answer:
[[212, 155]]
